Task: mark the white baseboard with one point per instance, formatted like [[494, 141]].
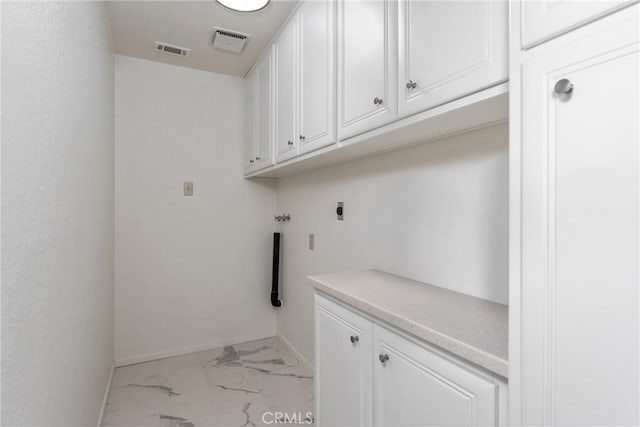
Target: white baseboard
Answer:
[[186, 350], [293, 350], [106, 397]]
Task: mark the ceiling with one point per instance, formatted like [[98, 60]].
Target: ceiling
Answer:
[[137, 24]]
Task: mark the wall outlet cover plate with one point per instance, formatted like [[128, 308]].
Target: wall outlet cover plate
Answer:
[[188, 188]]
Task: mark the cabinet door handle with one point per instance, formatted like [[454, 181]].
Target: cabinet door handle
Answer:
[[384, 358], [302, 138], [354, 339], [563, 87], [251, 161], [377, 101], [411, 84], [289, 143], [257, 158]]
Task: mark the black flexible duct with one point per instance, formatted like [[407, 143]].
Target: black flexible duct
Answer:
[[275, 301]]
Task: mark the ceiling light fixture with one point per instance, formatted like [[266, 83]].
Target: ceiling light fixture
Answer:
[[244, 5]]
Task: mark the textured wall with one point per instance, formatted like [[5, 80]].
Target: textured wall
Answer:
[[191, 272], [436, 213], [57, 212]]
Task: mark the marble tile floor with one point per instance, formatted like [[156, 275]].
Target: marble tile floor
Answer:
[[229, 386]]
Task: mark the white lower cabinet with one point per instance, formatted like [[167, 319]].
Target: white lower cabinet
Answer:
[[343, 361], [367, 374], [414, 386]]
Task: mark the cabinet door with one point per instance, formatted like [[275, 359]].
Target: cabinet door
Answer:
[[448, 49], [414, 386], [367, 65], [249, 152], [545, 19], [343, 366], [580, 228], [317, 75], [264, 111], [286, 105]]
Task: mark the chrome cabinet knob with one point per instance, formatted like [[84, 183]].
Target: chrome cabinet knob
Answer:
[[354, 339], [289, 143], [302, 138], [411, 84], [377, 101], [384, 358], [563, 87]]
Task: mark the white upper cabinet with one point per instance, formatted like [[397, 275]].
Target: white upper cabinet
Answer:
[[448, 49], [259, 110], [344, 69], [249, 152], [305, 81], [264, 111], [317, 75], [367, 65], [580, 228], [545, 19], [286, 53]]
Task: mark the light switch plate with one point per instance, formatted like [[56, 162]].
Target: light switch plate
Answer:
[[188, 188]]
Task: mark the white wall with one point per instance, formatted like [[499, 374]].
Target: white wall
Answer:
[[191, 272], [57, 212], [437, 213]]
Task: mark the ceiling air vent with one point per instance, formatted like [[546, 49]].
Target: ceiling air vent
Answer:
[[172, 50], [231, 41]]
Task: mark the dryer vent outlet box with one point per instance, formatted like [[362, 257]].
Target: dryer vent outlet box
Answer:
[[172, 49], [231, 41]]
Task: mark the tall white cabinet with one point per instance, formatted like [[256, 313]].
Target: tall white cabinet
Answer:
[[449, 49], [577, 272], [367, 65]]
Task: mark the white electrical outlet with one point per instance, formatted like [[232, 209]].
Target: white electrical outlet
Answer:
[[188, 188], [312, 241]]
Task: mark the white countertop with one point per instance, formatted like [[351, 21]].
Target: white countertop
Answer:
[[469, 327]]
